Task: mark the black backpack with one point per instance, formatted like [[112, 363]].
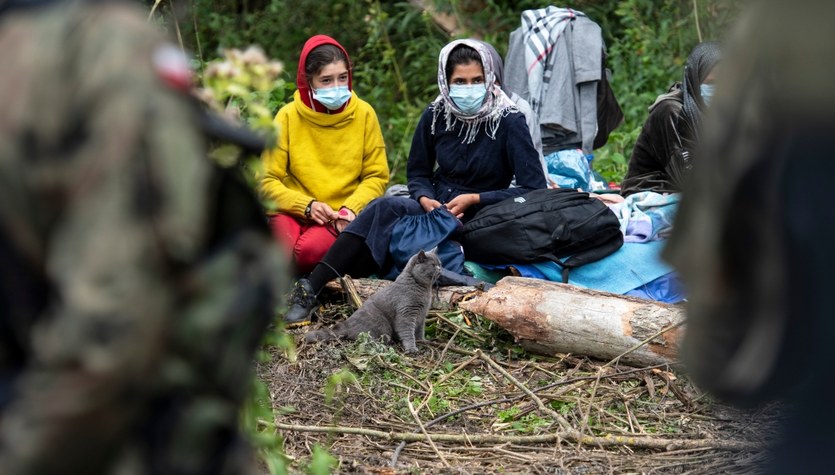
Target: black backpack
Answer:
[[562, 225]]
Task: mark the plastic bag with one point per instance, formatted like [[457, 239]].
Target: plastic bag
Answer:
[[572, 169]]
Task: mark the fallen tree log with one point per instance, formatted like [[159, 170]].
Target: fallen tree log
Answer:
[[548, 318], [444, 298]]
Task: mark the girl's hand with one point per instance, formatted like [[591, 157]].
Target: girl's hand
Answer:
[[428, 204], [458, 205], [343, 218], [320, 212]]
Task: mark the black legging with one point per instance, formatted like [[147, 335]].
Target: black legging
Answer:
[[348, 255]]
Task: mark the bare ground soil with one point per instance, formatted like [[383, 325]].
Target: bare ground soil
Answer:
[[472, 402]]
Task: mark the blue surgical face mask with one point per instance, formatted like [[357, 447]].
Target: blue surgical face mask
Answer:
[[468, 98], [333, 97], [707, 93]]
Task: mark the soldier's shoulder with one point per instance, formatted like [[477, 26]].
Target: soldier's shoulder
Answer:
[[119, 17]]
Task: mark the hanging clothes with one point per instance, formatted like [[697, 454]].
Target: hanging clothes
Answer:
[[555, 62]]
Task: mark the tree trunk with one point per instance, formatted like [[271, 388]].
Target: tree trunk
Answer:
[[443, 298], [548, 318]]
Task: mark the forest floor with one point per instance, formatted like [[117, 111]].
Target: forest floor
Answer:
[[472, 402]]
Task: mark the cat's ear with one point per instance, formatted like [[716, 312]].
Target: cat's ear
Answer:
[[433, 251], [421, 255]]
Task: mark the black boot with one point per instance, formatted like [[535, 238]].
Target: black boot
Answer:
[[302, 302]]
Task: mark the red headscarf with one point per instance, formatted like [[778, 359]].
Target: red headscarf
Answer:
[[305, 92]]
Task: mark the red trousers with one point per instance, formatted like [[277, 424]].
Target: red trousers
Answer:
[[306, 242]]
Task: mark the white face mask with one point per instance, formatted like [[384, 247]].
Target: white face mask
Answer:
[[706, 91], [332, 97]]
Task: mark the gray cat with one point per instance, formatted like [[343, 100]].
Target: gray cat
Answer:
[[397, 312]]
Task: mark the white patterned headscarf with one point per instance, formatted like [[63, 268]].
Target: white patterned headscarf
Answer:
[[496, 103]]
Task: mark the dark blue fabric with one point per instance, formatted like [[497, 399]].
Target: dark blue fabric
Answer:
[[667, 289], [424, 232], [485, 166], [376, 222]]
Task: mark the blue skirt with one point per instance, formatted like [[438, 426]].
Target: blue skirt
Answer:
[[376, 222]]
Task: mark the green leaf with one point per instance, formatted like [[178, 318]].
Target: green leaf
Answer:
[[321, 462]]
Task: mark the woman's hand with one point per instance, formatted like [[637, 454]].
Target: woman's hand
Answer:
[[458, 205], [321, 213], [343, 218], [428, 204]]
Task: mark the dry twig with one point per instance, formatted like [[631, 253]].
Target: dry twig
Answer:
[[423, 430], [571, 436]]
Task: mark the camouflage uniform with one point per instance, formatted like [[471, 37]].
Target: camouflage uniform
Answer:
[[136, 280]]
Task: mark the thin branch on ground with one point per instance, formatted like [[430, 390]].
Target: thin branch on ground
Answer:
[[423, 430], [634, 442]]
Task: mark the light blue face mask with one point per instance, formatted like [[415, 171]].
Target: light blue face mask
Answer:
[[468, 98], [333, 97], [707, 93]]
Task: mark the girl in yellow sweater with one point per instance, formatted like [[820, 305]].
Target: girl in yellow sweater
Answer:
[[330, 158]]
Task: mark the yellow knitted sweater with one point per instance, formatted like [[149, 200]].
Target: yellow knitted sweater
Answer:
[[338, 159]]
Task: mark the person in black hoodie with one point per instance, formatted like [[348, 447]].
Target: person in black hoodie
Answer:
[[663, 153]]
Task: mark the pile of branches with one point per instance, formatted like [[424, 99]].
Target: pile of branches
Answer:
[[473, 402]]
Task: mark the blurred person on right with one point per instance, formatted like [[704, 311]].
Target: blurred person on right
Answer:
[[752, 238]]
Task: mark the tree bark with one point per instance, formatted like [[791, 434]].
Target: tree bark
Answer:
[[548, 318]]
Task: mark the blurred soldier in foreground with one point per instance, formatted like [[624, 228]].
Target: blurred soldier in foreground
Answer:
[[753, 238], [136, 279]]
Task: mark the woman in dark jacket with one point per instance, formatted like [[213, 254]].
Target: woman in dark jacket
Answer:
[[469, 143], [663, 153]]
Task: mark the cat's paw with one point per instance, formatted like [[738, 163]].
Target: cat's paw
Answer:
[[411, 351]]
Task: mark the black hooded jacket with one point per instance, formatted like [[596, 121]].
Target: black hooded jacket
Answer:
[[663, 153]]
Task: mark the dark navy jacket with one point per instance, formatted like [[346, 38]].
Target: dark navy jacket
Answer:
[[442, 167]]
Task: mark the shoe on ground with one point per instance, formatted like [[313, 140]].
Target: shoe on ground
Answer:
[[302, 302]]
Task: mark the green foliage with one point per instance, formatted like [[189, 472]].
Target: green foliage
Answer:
[[258, 415], [649, 41], [337, 384], [612, 160], [321, 462], [512, 419], [258, 420], [244, 86], [400, 58]]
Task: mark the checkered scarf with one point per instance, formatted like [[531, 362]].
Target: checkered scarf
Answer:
[[541, 29]]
